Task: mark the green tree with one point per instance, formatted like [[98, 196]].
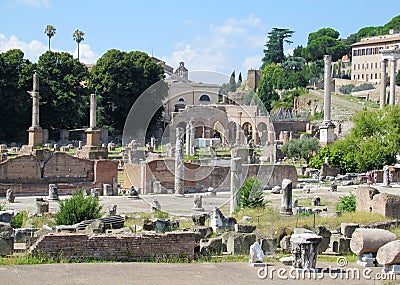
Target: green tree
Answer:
[[274, 46], [78, 37], [50, 31], [239, 83], [268, 84], [62, 91], [301, 148], [250, 194], [119, 78], [78, 208], [371, 144], [232, 82], [398, 78], [15, 108]]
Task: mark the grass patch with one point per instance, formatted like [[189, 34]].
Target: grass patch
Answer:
[[25, 259], [268, 220]]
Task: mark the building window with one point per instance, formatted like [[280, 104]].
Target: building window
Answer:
[[358, 66], [354, 52], [354, 67], [358, 77], [367, 66], [376, 65], [376, 76], [363, 66], [205, 98], [363, 51]]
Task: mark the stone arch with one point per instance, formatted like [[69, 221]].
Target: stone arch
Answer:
[[247, 129], [219, 131]]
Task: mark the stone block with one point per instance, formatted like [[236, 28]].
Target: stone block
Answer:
[[326, 238], [212, 246], [340, 244], [285, 244], [269, 245], [347, 229], [6, 216], [239, 243], [201, 232], [199, 219], [239, 228], [6, 239]]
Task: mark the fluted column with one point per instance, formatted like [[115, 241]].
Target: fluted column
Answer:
[[179, 163]]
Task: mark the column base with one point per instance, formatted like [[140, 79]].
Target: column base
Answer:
[[93, 152], [35, 137]]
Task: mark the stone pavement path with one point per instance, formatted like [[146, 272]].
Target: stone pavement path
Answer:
[[161, 273]]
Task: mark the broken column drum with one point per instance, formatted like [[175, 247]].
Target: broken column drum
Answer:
[[10, 198], [304, 250], [286, 202], [179, 163], [53, 192], [236, 175]]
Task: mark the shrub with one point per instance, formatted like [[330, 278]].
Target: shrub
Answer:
[[250, 194], [19, 220], [78, 208], [346, 203]]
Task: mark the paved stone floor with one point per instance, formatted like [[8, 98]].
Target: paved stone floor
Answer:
[[192, 273]]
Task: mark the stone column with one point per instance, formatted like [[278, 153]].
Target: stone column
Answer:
[[327, 88], [35, 131], [286, 202], [382, 99], [236, 175], [189, 130], [35, 101], [179, 163], [393, 63], [92, 117], [386, 176]]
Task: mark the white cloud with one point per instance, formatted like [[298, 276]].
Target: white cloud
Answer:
[[288, 52], [252, 62], [86, 54], [32, 50], [34, 3], [221, 47]]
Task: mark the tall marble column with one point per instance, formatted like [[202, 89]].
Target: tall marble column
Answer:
[[179, 163], [236, 175], [35, 101], [93, 106], [393, 63], [326, 129], [35, 131], [327, 88], [382, 100]]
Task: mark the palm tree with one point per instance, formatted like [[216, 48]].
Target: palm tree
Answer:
[[50, 31], [78, 37]]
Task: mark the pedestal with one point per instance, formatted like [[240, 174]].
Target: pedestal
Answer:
[[35, 136], [92, 137], [326, 133]]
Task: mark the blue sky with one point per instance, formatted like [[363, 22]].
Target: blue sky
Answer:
[[207, 35]]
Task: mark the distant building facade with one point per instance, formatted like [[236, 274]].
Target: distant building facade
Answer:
[[367, 59]]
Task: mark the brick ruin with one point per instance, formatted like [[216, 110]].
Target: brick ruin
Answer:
[[200, 177], [30, 174], [134, 247], [369, 199]]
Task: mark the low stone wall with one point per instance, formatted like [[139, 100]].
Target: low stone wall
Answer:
[[369, 199], [115, 247]]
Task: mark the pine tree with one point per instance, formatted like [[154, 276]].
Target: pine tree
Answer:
[[232, 82]]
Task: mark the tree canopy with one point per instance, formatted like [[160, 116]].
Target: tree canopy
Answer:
[[372, 143], [119, 78], [274, 52], [62, 91], [15, 108]]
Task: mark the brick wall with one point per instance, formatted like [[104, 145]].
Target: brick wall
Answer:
[[105, 171], [201, 177], [21, 169], [385, 204], [62, 164], [115, 247]]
